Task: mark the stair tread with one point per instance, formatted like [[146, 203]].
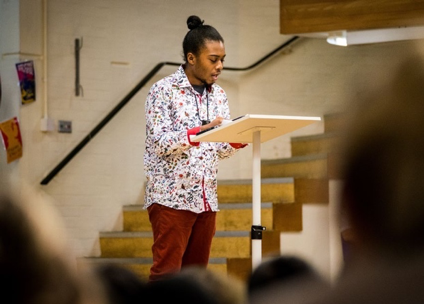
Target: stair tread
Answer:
[[117, 260], [226, 206], [149, 234], [295, 159], [314, 136], [221, 206], [138, 260], [272, 180]]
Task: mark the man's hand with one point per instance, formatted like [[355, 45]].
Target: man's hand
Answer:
[[216, 122]]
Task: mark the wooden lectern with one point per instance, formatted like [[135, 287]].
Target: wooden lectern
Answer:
[[255, 129]]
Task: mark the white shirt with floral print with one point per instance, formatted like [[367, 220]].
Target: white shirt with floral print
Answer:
[[180, 174]]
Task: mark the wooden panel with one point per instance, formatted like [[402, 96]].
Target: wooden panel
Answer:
[[239, 268], [313, 168], [335, 122], [312, 16], [270, 243], [242, 193], [240, 219], [288, 217], [334, 165], [311, 190], [314, 144]]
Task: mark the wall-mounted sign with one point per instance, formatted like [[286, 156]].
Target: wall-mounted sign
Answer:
[[12, 140], [26, 77]]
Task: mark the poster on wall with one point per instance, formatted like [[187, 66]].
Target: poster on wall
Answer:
[[12, 140], [26, 78]]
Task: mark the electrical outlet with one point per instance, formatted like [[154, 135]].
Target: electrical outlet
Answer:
[[65, 126]]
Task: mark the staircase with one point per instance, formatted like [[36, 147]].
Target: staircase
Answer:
[[286, 185]]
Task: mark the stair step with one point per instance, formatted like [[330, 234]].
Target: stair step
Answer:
[[240, 191], [310, 190], [136, 218], [141, 266], [239, 216], [309, 166], [334, 122], [231, 217], [138, 244], [240, 268], [228, 244], [288, 217], [314, 144]]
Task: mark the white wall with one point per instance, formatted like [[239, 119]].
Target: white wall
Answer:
[[20, 40], [312, 243], [9, 43], [122, 41], [108, 173]]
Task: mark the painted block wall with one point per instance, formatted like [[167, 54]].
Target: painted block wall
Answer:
[[9, 43], [121, 43]]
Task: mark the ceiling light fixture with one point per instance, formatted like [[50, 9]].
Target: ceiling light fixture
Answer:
[[346, 38]]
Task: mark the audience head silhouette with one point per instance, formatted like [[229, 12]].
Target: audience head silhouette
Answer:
[[383, 165], [383, 169], [35, 265], [288, 279], [122, 285], [178, 289], [282, 269]]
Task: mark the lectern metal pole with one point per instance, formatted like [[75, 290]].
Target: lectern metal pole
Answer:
[[256, 201]]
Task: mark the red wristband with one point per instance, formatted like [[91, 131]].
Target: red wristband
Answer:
[[193, 131]]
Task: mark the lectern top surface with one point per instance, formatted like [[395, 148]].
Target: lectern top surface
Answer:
[[241, 129]]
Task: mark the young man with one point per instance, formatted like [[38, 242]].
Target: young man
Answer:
[[181, 191]]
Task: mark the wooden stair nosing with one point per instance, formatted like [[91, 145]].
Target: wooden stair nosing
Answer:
[[314, 137], [223, 206], [228, 206], [271, 180], [134, 207], [295, 159], [149, 234], [99, 260]]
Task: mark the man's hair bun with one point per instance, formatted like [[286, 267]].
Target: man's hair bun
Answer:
[[194, 22]]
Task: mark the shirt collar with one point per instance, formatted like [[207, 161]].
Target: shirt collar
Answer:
[[181, 78]]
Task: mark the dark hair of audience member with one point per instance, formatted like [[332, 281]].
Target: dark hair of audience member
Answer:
[[122, 285], [383, 165], [34, 263], [280, 270], [225, 288], [178, 289]]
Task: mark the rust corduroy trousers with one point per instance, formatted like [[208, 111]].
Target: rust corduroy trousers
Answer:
[[180, 238]]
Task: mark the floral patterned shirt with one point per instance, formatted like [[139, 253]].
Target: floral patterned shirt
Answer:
[[181, 174]]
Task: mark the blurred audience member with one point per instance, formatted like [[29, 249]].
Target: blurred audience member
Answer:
[[285, 279], [122, 285], [224, 288], [35, 265], [383, 193], [177, 289], [280, 269]]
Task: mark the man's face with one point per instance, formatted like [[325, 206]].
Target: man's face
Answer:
[[208, 64]]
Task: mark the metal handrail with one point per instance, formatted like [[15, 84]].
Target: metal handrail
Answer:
[[129, 96]]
